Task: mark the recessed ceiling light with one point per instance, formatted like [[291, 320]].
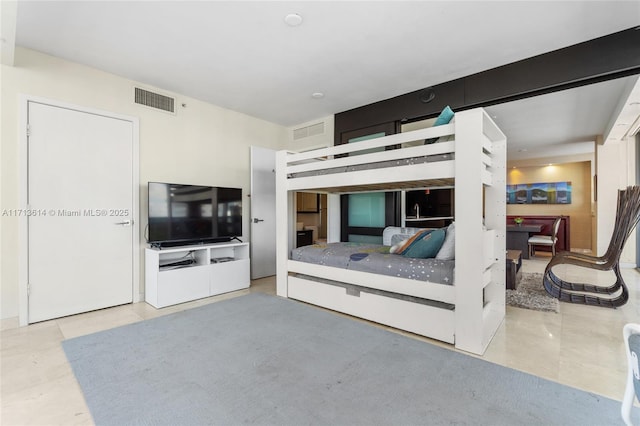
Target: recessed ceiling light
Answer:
[[317, 95], [293, 19]]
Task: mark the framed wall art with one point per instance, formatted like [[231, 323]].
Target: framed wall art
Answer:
[[539, 193]]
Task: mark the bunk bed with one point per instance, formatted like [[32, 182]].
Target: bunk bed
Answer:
[[470, 155]]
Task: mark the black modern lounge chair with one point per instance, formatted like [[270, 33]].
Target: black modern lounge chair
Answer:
[[627, 217]]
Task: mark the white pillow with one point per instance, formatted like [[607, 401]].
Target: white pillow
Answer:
[[390, 231], [448, 249], [397, 246], [398, 238]]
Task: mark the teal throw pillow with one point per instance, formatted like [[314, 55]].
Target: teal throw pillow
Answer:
[[427, 246], [444, 118], [403, 246]]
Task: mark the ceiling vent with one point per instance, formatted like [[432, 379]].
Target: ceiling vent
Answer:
[[307, 131], [154, 100]]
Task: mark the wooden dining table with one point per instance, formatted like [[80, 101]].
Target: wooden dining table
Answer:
[[518, 237]]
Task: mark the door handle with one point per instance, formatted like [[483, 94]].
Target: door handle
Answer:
[[256, 220], [125, 223]]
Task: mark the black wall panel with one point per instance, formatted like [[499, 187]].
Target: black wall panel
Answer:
[[612, 56]]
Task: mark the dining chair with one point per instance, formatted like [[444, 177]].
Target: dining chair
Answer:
[[545, 240]]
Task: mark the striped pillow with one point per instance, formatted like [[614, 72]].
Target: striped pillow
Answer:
[[403, 246], [427, 246]]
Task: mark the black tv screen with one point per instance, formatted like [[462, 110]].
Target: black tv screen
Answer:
[[186, 214]]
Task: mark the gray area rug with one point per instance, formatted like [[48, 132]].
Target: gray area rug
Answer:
[[260, 359], [531, 294]]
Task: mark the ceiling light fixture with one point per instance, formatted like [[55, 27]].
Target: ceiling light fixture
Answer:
[[293, 19], [317, 95]]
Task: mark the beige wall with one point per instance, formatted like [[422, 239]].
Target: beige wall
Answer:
[[616, 170], [200, 144], [579, 174]]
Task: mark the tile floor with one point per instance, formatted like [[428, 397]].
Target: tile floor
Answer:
[[581, 347]]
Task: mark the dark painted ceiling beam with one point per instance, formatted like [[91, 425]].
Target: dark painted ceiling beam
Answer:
[[612, 56]]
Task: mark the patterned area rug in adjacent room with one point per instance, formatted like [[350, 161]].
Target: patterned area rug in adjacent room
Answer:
[[532, 295]]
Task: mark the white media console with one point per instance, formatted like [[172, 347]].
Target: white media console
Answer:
[[180, 274]]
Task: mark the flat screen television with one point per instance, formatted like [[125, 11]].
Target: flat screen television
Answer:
[[192, 214]]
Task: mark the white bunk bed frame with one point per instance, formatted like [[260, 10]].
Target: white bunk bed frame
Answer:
[[478, 172]]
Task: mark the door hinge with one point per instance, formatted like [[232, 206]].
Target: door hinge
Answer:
[[28, 289], [28, 130]]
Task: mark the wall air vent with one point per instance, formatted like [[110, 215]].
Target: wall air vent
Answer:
[[154, 100], [311, 130]]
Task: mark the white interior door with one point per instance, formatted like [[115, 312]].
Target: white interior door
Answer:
[[80, 198], [263, 212]]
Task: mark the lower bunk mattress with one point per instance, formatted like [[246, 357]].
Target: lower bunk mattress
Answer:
[[375, 258], [425, 317]]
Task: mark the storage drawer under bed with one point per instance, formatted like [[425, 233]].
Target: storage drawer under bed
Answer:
[[423, 319]]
